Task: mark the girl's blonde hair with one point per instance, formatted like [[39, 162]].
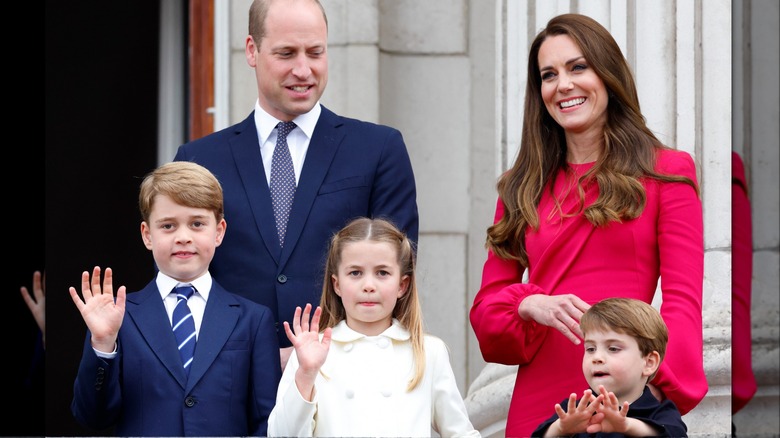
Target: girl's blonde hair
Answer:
[[407, 309]]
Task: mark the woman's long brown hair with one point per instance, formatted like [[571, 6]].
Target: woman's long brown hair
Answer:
[[628, 155]]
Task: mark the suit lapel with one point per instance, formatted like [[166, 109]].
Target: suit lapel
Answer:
[[219, 320], [322, 148], [147, 311], [246, 153]]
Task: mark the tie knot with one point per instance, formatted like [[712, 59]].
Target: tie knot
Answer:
[[285, 128], [184, 292]]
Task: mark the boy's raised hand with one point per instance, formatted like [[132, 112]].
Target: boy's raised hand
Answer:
[[614, 414], [577, 417], [102, 314]]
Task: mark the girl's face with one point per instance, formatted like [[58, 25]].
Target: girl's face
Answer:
[[614, 360], [574, 95], [369, 283]]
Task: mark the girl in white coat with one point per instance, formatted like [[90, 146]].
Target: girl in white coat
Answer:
[[363, 366]]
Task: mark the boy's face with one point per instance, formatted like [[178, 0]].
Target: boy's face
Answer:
[[614, 360], [182, 239]]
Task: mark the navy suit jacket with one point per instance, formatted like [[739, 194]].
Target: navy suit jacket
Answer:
[[352, 168], [144, 391]]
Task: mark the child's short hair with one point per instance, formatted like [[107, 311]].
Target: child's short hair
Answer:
[[186, 183], [631, 317]]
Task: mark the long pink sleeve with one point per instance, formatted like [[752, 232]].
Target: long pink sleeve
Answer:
[[681, 252], [503, 336]]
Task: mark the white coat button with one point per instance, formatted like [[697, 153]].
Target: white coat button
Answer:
[[383, 343], [350, 393], [387, 392], [348, 348]]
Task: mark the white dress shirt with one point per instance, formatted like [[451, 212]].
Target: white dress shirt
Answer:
[[297, 140]]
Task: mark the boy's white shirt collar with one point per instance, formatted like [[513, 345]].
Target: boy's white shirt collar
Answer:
[[202, 284]]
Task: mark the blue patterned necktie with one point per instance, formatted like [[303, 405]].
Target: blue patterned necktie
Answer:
[[282, 179], [184, 326]]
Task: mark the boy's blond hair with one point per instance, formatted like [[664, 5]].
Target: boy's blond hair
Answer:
[[186, 183]]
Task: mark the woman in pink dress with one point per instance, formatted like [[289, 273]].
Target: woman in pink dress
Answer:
[[595, 206]]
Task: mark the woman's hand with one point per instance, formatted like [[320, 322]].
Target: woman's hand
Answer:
[[561, 312]]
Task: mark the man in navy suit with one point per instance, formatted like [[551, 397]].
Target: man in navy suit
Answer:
[[132, 377], [344, 167]]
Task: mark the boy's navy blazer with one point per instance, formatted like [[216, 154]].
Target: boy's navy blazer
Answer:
[[144, 390], [352, 168]]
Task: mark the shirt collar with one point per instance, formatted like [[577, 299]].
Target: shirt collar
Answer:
[[342, 332], [266, 123], [202, 284]]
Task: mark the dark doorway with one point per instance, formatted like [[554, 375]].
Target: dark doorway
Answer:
[[101, 139]]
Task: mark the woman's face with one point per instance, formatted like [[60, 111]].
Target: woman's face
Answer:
[[574, 95]]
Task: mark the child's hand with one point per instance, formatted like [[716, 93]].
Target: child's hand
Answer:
[[102, 315], [614, 417], [578, 417], [310, 350], [36, 301]]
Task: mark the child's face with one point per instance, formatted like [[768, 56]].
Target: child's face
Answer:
[[614, 360], [369, 283], [182, 239]]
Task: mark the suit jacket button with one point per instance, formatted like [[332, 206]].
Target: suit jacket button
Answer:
[[281, 278], [189, 401]]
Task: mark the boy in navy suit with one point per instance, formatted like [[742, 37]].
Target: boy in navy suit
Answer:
[[131, 376]]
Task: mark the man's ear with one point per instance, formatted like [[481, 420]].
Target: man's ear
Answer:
[[250, 50]]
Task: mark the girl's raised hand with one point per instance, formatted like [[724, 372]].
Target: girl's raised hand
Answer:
[[310, 350]]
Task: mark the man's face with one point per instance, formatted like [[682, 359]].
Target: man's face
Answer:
[[290, 62]]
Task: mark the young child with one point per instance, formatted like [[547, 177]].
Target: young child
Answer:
[[363, 365], [625, 342], [131, 376]]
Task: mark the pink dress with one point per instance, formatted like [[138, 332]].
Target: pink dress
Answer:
[[570, 256]]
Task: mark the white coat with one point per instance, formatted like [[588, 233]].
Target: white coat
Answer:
[[361, 391]]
